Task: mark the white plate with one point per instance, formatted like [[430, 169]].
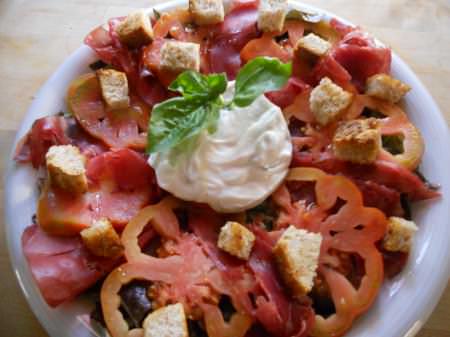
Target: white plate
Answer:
[[404, 303]]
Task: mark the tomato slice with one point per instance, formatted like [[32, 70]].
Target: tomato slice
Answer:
[[395, 122], [111, 194], [217, 327], [352, 229], [163, 220], [116, 128]]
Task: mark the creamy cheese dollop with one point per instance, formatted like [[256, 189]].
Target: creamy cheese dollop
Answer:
[[238, 166]]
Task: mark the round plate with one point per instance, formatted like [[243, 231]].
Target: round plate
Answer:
[[403, 304]]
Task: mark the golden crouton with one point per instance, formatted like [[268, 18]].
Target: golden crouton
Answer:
[[102, 240], [312, 45], [297, 257], [136, 30], [114, 86], [236, 240], [169, 321], [386, 87], [399, 235], [66, 168], [357, 141], [179, 56], [271, 15], [328, 101], [207, 12]]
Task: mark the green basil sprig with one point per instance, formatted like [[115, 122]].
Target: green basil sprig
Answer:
[[177, 122]]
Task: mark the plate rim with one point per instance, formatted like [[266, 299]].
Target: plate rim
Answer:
[[408, 330]]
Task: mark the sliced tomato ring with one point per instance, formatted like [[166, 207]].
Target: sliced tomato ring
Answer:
[[62, 214], [353, 229], [267, 46], [396, 122], [217, 327], [152, 269], [163, 219], [116, 128], [173, 24]]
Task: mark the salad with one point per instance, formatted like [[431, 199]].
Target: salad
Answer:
[[225, 172]]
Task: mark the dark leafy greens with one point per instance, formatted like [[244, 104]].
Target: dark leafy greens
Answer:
[[176, 123]]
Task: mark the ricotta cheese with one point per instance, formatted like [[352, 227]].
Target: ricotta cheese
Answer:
[[235, 168]]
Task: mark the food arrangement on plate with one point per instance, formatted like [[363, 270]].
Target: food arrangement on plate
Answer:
[[246, 171]]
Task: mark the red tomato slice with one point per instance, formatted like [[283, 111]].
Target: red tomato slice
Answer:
[[116, 128], [120, 184], [382, 172], [353, 229], [265, 46]]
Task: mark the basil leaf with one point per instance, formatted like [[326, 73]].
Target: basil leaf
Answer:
[[193, 85], [258, 76], [295, 14], [173, 121]]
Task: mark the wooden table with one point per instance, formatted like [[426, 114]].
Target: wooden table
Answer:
[[36, 36]]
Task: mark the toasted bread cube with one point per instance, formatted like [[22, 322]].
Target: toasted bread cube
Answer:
[[312, 45], [386, 87], [169, 321], [236, 240], [136, 30], [328, 101], [207, 12], [399, 235], [180, 56], [114, 86], [357, 141], [271, 15], [66, 168], [297, 257], [102, 239]]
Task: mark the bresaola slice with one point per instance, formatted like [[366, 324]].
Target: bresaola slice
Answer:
[[62, 267]]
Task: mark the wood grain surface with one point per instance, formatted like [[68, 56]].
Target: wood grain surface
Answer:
[[36, 36]]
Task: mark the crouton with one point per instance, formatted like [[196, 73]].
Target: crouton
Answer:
[[136, 30], [271, 15], [206, 12], [357, 141], [114, 86], [328, 101], [386, 87], [66, 168], [399, 235], [312, 46], [236, 240], [180, 56], [297, 257], [169, 321], [102, 240]]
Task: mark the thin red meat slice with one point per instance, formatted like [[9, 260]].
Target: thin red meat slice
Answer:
[[55, 130], [238, 28], [62, 267], [382, 197], [44, 133], [279, 315], [286, 95], [362, 57], [382, 172], [108, 48]]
